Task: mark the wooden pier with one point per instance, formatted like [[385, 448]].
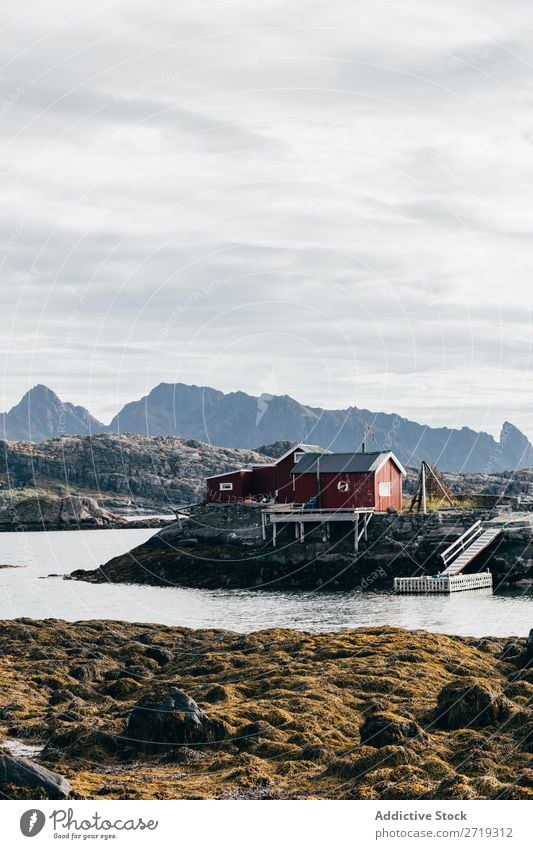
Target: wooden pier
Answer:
[[300, 517], [429, 584]]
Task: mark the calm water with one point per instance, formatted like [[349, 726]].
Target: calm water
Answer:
[[28, 592]]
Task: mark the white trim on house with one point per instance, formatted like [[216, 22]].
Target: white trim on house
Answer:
[[383, 458], [225, 486], [225, 474]]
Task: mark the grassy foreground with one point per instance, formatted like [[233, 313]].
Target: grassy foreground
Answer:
[[366, 714]]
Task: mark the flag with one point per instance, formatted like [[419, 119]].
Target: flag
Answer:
[[370, 431]]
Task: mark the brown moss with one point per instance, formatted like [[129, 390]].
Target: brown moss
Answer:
[[291, 706]]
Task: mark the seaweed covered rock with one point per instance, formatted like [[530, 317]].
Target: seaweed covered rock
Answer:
[[470, 703], [167, 716], [387, 729], [122, 689], [160, 655], [18, 775]]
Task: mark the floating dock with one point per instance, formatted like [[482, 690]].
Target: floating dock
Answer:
[[455, 558], [443, 583]]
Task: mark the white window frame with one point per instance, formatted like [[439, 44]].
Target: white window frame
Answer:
[[225, 486], [298, 456], [385, 489]]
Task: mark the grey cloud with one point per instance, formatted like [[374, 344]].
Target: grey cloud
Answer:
[[359, 183]]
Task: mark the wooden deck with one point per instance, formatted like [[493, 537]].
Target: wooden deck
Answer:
[[299, 516]]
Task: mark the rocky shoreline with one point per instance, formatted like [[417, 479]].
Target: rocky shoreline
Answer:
[[50, 512], [222, 548], [136, 711]]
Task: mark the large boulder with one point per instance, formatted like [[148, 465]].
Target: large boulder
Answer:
[[470, 703], [387, 729], [17, 772], [166, 717]]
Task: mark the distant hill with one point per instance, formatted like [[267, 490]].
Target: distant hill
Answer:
[[238, 420], [42, 415], [120, 471]]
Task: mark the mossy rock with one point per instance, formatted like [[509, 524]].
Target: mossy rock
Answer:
[[387, 729], [166, 717], [366, 759], [470, 703], [61, 695], [79, 741], [218, 693], [122, 689]]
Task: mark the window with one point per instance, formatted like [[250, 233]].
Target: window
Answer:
[[384, 489], [343, 486], [225, 487], [298, 455]]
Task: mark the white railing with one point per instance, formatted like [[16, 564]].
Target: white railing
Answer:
[[427, 584], [462, 543]]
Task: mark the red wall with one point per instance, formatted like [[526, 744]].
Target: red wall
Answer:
[[269, 480], [360, 490], [264, 481], [242, 486], [283, 479], [363, 489], [389, 472]]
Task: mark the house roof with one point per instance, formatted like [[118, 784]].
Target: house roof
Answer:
[[300, 446], [225, 474], [370, 461]]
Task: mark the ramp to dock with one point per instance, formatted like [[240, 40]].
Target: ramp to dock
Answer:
[[467, 547]]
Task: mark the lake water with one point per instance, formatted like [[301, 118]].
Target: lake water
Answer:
[[28, 592]]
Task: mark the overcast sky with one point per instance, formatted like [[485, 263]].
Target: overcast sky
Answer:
[[330, 200]]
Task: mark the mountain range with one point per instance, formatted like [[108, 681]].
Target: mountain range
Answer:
[[239, 420]]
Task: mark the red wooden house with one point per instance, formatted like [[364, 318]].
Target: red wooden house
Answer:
[[349, 481], [267, 481]]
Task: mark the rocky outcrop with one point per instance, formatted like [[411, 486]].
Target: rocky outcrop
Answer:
[[120, 471], [52, 512], [222, 547], [24, 779]]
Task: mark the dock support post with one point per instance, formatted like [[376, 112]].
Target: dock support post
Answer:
[[263, 526], [296, 530], [274, 533], [302, 537], [356, 533]]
